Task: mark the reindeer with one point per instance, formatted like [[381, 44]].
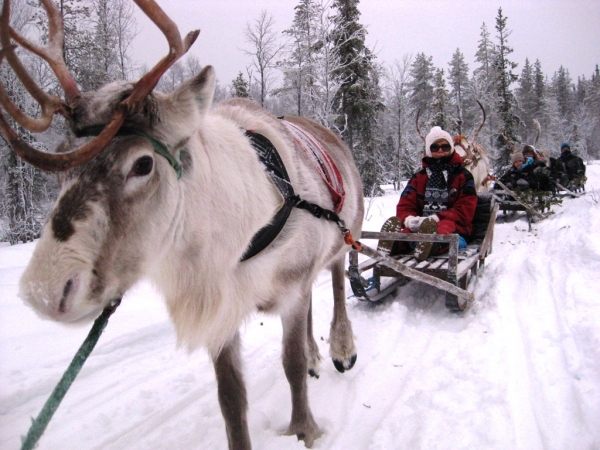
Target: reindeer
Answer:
[[474, 155], [541, 154], [170, 188]]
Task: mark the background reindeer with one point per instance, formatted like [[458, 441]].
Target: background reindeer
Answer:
[[474, 155], [167, 187]]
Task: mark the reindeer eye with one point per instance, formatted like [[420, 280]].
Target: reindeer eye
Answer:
[[143, 166]]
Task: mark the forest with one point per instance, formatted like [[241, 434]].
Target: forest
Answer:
[[320, 67]]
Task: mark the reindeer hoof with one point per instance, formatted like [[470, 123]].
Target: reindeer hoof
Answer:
[[342, 366], [313, 373]]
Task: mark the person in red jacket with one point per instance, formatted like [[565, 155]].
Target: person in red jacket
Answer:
[[441, 197]]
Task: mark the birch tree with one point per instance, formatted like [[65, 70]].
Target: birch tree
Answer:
[[407, 146], [264, 49]]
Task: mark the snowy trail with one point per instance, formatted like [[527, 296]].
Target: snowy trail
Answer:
[[519, 369]]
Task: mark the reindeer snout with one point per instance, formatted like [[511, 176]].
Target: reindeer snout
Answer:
[[67, 292]]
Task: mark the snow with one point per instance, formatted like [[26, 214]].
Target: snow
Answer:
[[519, 369]]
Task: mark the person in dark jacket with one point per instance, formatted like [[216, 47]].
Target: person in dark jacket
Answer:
[[569, 169], [439, 198], [539, 174], [519, 174]]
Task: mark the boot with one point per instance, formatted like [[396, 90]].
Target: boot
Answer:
[[423, 249], [392, 225]]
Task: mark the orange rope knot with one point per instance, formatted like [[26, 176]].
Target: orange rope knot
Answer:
[[348, 239]]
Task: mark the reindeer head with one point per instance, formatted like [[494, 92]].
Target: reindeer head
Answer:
[[125, 144]]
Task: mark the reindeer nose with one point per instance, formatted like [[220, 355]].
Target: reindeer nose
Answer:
[[62, 307]]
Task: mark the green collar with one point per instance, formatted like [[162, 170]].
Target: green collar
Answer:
[[158, 146]]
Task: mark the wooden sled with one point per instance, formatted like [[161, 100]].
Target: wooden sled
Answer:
[[577, 186], [450, 271], [509, 200]]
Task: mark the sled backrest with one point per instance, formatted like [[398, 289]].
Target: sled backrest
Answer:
[[483, 214]]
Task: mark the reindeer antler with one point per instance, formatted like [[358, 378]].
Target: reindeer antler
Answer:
[[417, 124], [51, 105], [539, 131], [52, 53], [476, 135], [509, 142]]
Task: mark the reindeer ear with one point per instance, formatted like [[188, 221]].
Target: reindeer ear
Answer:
[[203, 88], [197, 91]]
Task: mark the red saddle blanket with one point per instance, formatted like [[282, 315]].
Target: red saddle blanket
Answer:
[[323, 162]]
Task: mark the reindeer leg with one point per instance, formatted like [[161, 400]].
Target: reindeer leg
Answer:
[[232, 395], [314, 356], [341, 338], [295, 366]]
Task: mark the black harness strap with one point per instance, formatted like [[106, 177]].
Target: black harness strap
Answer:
[[274, 167]]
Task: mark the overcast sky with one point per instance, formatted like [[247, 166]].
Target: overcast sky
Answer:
[[557, 32]]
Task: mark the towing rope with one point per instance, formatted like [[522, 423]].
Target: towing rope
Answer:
[[39, 424]]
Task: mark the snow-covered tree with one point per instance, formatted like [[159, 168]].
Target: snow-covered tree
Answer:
[[264, 49], [25, 192], [505, 98], [422, 84], [302, 51], [440, 108], [406, 148], [240, 87], [458, 79], [358, 98], [482, 84], [527, 103], [562, 87]]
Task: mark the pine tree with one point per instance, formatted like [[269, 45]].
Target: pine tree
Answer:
[[299, 66], [593, 103], [526, 97], [563, 90], [359, 95], [458, 78], [349, 37], [422, 84], [539, 88], [240, 87], [440, 115], [484, 80], [506, 100]]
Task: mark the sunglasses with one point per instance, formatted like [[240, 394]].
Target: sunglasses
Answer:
[[436, 148]]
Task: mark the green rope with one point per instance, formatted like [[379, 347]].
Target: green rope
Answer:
[[39, 424]]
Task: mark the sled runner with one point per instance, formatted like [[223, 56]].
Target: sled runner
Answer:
[[536, 208], [579, 189], [449, 271]]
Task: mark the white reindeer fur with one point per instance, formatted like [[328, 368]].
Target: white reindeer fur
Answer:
[[191, 236], [480, 169]]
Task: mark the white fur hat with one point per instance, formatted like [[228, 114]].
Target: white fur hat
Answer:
[[435, 134]]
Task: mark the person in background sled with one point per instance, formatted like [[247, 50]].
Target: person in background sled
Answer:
[[439, 198], [568, 169], [518, 176], [529, 151], [539, 173]]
